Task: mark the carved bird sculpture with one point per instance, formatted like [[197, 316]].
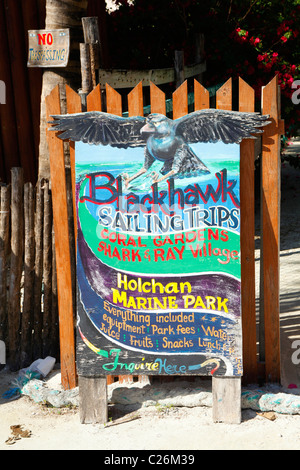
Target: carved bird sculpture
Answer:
[[163, 139]]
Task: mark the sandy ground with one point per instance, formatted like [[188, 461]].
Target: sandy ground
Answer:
[[159, 428], [174, 428]]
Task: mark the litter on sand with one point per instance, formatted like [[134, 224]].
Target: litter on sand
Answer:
[[48, 391], [17, 432], [39, 368]]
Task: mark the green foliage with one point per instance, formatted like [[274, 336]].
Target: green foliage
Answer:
[[254, 39]]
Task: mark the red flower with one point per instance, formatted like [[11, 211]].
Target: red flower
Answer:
[[283, 39], [254, 41]]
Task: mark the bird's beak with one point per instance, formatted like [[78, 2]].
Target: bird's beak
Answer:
[[146, 128]]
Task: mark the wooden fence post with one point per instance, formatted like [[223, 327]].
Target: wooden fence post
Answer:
[[226, 390], [246, 104], [16, 266], [62, 248], [201, 96], [4, 251], [27, 314], [38, 269], [226, 393], [92, 390], [157, 100], [47, 270], [180, 101], [270, 207]]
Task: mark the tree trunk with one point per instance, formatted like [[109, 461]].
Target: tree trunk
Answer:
[[61, 14]]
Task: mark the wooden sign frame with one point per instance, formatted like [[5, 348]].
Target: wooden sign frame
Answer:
[[95, 410]]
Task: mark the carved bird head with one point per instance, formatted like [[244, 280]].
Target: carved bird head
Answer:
[[157, 124]]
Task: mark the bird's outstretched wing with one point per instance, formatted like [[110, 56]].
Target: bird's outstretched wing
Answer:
[[213, 125], [96, 127]]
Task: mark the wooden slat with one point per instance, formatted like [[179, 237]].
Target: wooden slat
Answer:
[[247, 193], [73, 101], [119, 78], [135, 101], [224, 96], [226, 396], [135, 108], [20, 90], [54, 304], [93, 100], [27, 312], [4, 252], [62, 247], [201, 96], [38, 270], [47, 269], [113, 101], [270, 206], [180, 101], [94, 104], [229, 389], [16, 266], [157, 100], [73, 106]]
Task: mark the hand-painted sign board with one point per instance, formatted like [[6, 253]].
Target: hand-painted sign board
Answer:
[[48, 48], [158, 248]]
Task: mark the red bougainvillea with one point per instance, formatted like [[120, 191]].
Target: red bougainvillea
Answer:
[[254, 39]]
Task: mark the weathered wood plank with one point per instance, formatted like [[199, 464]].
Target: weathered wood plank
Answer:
[[247, 195], [47, 270], [27, 311], [224, 96], [93, 100], [73, 106], [135, 101], [94, 104], [180, 101], [38, 270], [92, 38], [14, 25], [226, 390], [16, 266], [4, 252], [130, 78], [201, 96], [157, 100], [92, 400], [86, 74], [54, 304], [113, 101], [135, 108], [270, 207], [62, 248], [226, 393]]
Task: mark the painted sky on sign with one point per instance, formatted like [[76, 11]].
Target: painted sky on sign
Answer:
[[202, 150]]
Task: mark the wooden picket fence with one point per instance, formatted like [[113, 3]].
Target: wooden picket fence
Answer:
[[34, 275], [269, 370], [28, 294]]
